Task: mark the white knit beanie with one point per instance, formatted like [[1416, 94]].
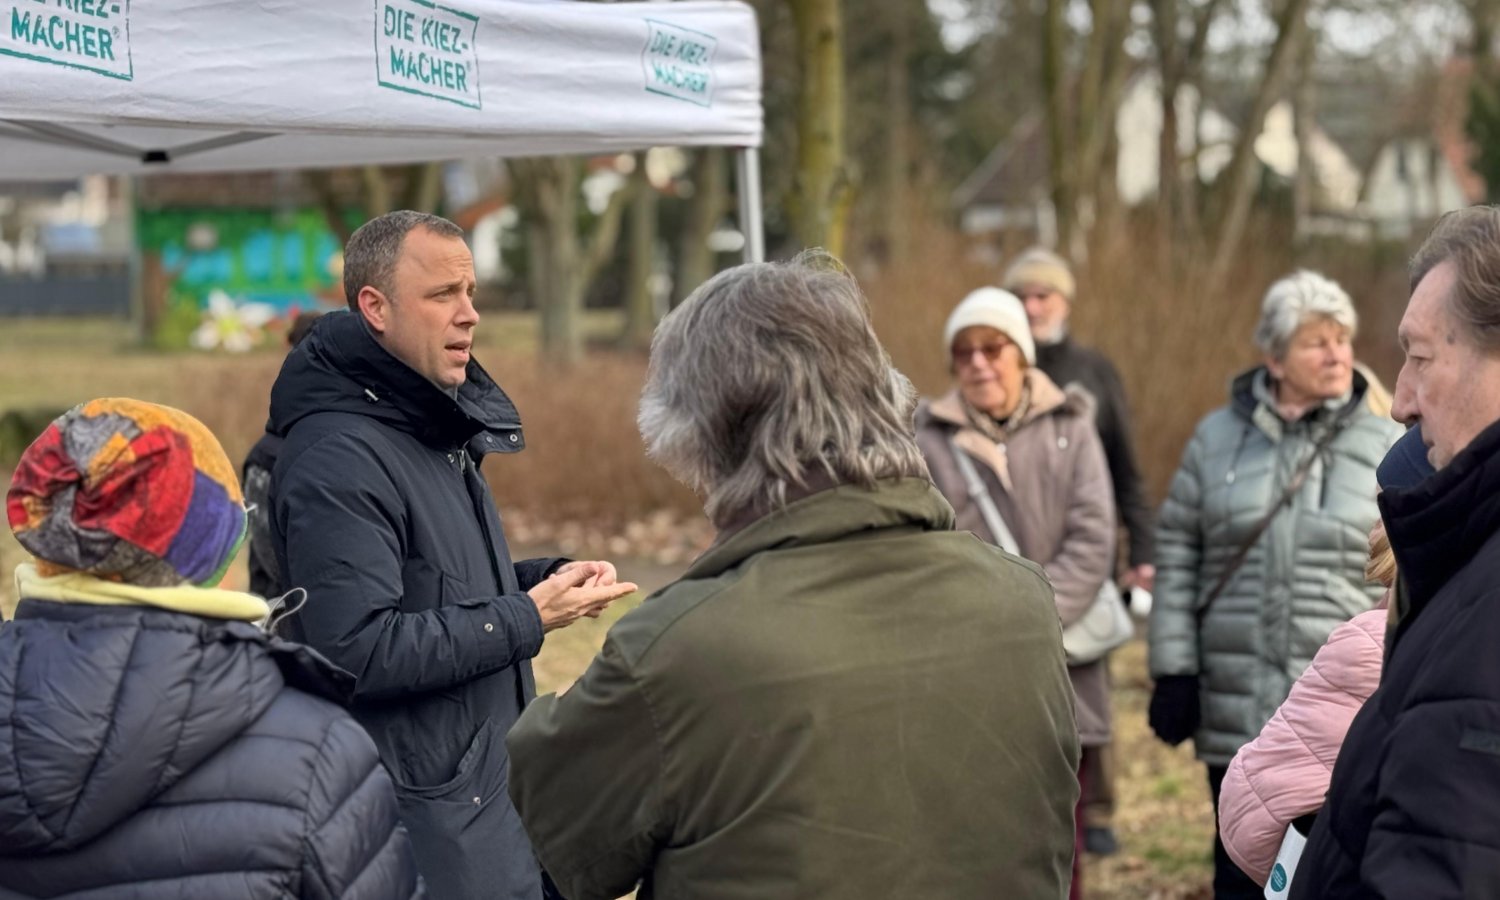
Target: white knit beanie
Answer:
[[997, 309]]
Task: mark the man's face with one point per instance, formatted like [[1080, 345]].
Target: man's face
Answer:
[[1447, 384], [1046, 310], [428, 320]]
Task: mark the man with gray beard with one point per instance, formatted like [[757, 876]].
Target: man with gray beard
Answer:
[[843, 697]]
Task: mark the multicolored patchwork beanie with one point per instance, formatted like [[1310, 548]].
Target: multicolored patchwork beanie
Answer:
[[128, 491]]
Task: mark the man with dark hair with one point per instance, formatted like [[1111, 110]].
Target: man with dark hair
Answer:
[[1413, 809], [379, 510], [265, 579]]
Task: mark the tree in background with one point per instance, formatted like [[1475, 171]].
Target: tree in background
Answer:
[[822, 189], [1483, 123], [1239, 179], [1179, 35], [1082, 100], [567, 247], [381, 189]]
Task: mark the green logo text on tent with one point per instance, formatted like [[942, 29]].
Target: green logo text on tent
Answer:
[[81, 34], [679, 62], [426, 49]]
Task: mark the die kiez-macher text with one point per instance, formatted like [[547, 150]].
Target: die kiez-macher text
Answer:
[[667, 47], [426, 32], [65, 33]]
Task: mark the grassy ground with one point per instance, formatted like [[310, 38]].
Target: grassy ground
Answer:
[[1164, 822]]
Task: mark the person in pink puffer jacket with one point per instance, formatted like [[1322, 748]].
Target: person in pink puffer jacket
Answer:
[[1283, 774]]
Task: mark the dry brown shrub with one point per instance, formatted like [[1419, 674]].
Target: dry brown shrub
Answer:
[[583, 458]]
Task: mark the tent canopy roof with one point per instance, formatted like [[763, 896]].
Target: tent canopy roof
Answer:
[[111, 87]]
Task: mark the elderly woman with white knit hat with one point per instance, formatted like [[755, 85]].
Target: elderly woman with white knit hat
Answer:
[[1008, 441]]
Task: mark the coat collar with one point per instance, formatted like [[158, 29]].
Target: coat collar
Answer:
[[1046, 399], [341, 367], [1438, 526], [1251, 396], [827, 516]]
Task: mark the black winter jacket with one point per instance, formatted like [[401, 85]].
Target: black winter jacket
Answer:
[[1068, 362], [151, 754], [1414, 806], [379, 510]]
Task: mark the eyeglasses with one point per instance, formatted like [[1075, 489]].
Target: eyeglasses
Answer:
[[992, 352]]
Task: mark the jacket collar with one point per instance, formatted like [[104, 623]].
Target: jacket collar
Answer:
[[1439, 525], [80, 588], [1046, 398], [827, 516], [341, 367], [1252, 397]]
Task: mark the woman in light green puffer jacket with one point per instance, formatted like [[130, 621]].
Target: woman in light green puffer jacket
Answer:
[[1223, 664]]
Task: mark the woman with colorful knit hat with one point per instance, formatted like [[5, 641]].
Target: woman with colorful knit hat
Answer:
[[154, 741]]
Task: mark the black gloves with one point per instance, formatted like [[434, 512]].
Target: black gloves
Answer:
[[1174, 712]]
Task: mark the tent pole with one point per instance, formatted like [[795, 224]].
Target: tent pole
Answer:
[[135, 271], [747, 189]]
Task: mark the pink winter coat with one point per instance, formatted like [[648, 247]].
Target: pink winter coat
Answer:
[[1283, 774]]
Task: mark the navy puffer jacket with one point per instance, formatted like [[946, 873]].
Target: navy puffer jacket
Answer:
[[146, 753]]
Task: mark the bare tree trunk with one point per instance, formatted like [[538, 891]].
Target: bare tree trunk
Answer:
[[1181, 68], [548, 191], [896, 183], [1079, 138], [1239, 186], [377, 191], [562, 308], [640, 308], [1169, 64], [1059, 134], [1304, 117], [1105, 73], [424, 187], [822, 194], [710, 200], [320, 182]]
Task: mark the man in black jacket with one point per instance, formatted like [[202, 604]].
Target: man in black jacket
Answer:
[[1413, 809], [379, 510], [1046, 287]]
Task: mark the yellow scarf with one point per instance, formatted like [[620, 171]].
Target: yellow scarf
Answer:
[[76, 587]]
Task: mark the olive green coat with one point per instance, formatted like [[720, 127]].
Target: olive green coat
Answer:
[[844, 699]]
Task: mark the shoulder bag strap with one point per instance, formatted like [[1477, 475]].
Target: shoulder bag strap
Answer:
[[981, 497], [1293, 486]]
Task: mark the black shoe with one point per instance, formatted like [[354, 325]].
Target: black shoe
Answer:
[[1100, 841]]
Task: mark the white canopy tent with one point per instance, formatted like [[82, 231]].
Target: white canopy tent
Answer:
[[115, 87]]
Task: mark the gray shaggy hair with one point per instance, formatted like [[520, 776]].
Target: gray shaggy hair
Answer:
[[767, 373], [1294, 301]]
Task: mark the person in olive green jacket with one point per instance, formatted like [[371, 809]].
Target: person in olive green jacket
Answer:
[[843, 697]]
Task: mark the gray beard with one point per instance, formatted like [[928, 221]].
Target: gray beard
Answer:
[[1058, 335]]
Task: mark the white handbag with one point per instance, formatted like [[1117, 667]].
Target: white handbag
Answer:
[[1104, 626]]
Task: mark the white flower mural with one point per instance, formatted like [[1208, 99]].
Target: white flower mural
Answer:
[[234, 326]]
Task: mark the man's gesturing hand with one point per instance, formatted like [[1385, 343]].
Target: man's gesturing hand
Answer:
[[575, 591]]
